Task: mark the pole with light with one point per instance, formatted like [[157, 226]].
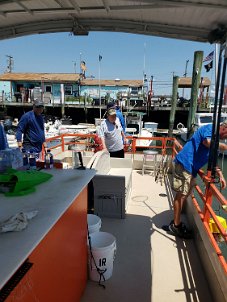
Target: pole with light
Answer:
[[100, 111]]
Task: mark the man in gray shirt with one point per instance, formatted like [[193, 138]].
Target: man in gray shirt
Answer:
[[111, 134]]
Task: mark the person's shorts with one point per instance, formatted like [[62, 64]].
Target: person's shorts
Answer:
[[183, 181]]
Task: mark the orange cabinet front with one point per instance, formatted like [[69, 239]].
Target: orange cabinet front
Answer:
[[59, 270]]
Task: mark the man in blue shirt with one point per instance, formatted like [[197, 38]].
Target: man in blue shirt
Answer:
[[31, 128], [188, 161]]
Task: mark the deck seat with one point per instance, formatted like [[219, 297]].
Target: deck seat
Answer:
[[111, 184]]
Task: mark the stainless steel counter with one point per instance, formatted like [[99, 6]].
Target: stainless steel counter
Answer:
[[51, 199]]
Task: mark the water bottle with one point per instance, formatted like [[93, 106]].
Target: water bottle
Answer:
[[32, 160], [49, 161], [25, 159]]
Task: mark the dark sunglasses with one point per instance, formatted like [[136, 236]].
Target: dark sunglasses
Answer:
[[39, 106]]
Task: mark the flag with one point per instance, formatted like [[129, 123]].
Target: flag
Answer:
[[100, 58], [208, 66], [83, 66], [209, 57]]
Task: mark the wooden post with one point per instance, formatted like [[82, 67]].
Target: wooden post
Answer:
[[196, 78], [173, 105]]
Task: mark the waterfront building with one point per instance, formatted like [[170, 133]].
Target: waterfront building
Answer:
[[51, 87], [67, 88]]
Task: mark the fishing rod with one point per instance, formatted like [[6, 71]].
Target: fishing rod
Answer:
[[213, 155]]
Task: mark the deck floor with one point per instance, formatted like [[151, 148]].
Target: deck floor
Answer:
[[150, 265]]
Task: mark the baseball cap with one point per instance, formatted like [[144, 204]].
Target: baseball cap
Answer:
[[38, 103], [111, 111]]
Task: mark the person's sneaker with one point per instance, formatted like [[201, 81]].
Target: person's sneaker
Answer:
[[181, 231]]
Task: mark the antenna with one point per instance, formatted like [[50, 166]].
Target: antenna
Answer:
[[144, 59]]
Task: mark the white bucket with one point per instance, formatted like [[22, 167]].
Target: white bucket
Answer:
[[103, 247], [94, 223]]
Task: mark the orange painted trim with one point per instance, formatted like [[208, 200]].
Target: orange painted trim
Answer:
[[59, 271]]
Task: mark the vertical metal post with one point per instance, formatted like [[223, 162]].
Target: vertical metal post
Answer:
[[62, 100], [173, 105], [217, 110], [42, 89], [100, 111]]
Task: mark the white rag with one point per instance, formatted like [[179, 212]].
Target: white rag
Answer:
[[17, 222]]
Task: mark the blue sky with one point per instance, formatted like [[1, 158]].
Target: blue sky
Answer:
[[124, 56]]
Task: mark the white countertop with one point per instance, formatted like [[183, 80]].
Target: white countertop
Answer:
[[51, 199]]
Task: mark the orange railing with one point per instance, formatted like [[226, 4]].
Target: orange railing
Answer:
[[168, 143], [131, 147], [211, 192]]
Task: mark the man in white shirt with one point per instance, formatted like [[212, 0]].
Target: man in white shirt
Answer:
[[111, 134]]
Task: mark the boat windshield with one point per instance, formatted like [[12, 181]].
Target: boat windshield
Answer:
[[205, 119]]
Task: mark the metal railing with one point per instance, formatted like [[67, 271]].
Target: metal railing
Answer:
[[207, 212]]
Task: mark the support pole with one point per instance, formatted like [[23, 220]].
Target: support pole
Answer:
[[62, 100], [219, 93], [173, 105], [100, 103], [196, 75]]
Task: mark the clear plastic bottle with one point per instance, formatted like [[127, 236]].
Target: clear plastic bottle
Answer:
[[49, 160], [32, 160], [25, 159]]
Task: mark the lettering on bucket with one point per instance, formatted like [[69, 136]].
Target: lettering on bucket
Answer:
[[102, 262]]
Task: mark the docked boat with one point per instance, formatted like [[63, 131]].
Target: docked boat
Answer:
[[145, 253], [136, 127], [201, 119]]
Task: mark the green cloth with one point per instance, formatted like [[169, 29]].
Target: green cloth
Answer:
[[19, 183]]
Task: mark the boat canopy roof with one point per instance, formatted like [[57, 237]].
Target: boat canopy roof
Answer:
[[196, 20]]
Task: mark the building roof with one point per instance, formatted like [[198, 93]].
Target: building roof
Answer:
[[41, 77], [128, 83], [187, 82], [179, 19], [184, 82]]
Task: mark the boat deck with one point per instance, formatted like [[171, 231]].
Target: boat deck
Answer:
[[150, 265]]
